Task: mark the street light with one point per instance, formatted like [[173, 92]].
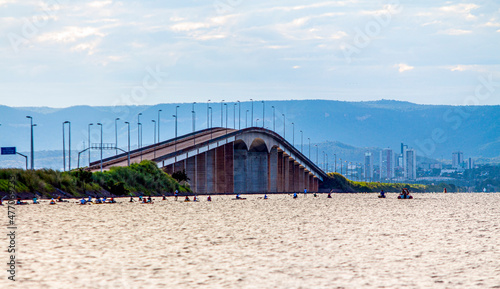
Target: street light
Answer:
[[32, 142], [234, 115], [64, 147], [222, 114], [246, 119], [335, 162], [193, 114], [284, 123], [208, 120], [116, 135], [239, 115], [175, 138], [159, 139], [263, 113], [301, 142], [139, 130], [317, 152], [251, 100], [154, 138], [225, 104], [309, 148], [101, 144], [89, 142], [274, 119], [293, 134], [128, 160], [211, 118]]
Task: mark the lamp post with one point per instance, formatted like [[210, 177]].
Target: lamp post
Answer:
[[154, 138], [225, 104], [263, 113], [293, 134], [64, 147], [32, 143], [128, 157], [323, 160], [159, 139], [222, 114], [301, 142], [193, 114], [175, 138], [234, 115], [116, 135], [335, 162], [140, 137], [274, 119], [327, 163], [139, 130], [251, 120], [211, 118], [246, 119], [317, 153], [309, 148], [284, 124], [208, 106], [100, 124], [89, 142], [239, 115]]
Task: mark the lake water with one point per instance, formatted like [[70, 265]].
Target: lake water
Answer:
[[349, 241]]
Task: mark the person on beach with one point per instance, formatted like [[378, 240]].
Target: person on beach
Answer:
[[382, 194], [305, 191], [209, 199], [187, 199], [90, 199], [315, 195], [295, 195], [97, 200], [265, 196], [195, 199], [140, 199], [35, 200], [176, 194], [82, 201], [164, 198], [150, 200], [112, 200], [238, 196], [52, 202], [131, 199], [330, 194]]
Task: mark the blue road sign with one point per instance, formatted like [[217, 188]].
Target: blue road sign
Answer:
[[9, 151]]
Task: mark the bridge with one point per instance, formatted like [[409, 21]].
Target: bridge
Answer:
[[222, 160]]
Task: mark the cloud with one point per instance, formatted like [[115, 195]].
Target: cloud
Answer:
[[100, 4], [403, 67], [70, 34], [461, 9], [455, 32]]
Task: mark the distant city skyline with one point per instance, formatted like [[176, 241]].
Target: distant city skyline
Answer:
[[61, 53]]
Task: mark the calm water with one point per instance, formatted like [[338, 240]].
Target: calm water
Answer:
[[349, 241]]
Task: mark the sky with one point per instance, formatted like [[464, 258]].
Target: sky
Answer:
[[61, 53]]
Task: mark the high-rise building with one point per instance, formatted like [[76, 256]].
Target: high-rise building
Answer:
[[410, 164], [457, 159], [368, 167], [386, 164], [470, 164]]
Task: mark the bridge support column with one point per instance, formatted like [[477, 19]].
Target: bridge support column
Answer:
[[310, 183], [281, 173], [291, 166], [316, 184], [220, 161], [211, 171], [257, 170], [191, 172], [201, 184], [301, 179], [273, 174], [240, 170], [229, 167], [296, 177]]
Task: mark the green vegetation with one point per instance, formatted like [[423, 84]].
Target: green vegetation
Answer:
[[339, 182], [144, 178]]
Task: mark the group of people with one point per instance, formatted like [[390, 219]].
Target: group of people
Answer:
[[97, 200]]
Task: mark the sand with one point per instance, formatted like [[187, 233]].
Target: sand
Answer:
[[349, 241]]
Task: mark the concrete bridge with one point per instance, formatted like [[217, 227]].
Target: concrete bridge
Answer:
[[220, 160]]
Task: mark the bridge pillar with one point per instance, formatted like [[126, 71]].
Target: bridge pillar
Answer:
[[191, 173], [211, 171], [240, 170], [310, 182], [291, 166], [229, 167], [220, 161], [273, 171], [301, 179], [201, 166], [257, 170], [281, 174], [296, 178], [306, 180], [316, 184]]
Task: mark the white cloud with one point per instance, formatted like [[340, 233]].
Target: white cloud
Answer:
[[70, 34], [455, 32], [461, 9], [402, 67], [189, 26], [100, 4]]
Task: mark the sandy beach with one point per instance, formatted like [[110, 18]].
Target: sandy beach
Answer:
[[349, 241]]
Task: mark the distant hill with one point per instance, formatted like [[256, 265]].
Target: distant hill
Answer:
[[434, 131]]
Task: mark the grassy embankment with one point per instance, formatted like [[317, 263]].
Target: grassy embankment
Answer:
[[138, 179], [339, 182]]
